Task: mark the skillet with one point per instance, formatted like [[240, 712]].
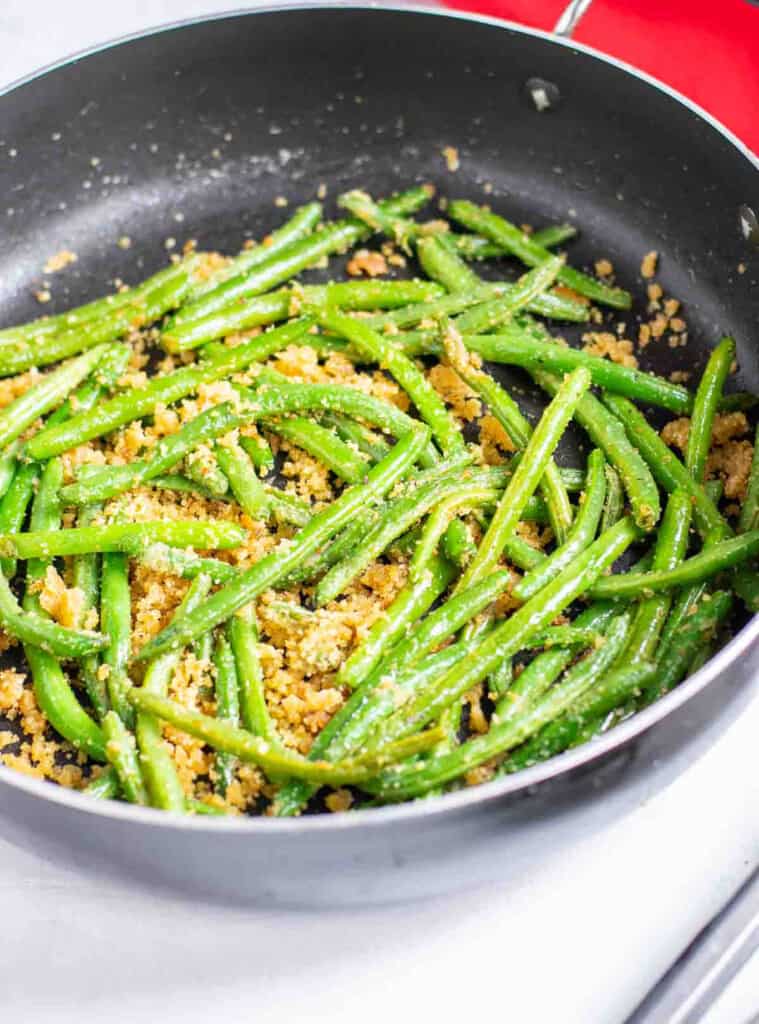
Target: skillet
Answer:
[[194, 130]]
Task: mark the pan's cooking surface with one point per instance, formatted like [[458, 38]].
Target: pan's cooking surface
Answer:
[[194, 133]]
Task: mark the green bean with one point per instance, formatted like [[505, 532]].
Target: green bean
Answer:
[[608, 434], [702, 566], [447, 305], [42, 632], [86, 577], [504, 735], [516, 344], [148, 302], [705, 407], [275, 761], [500, 679], [580, 536], [108, 371], [715, 490], [474, 247], [35, 331], [8, 466], [358, 436], [121, 537], [457, 543], [290, 554], [40, 398], [695, 629], [303, 253], [488, 315], [749, 517], [442, 263], [179, 562], [14, 505], [107, 416], [398, 228], [204, 809], [227, 707], [178, 482], [116, 622], [202, 467], [323, 444], [302, 223], [549, 304], [122, 754], [540, 448], [105, 786], [745, 583], [686, 599], [614, 505], [509, 415], [158, 769], [522, 554], [248, 490], [52, 689], [510, 635], [243, 636], [520, 245], [652, 612], [287, 508], [202, 649], [261, 310], [411, 603], [413, 381], [259, 450], [669, 472]]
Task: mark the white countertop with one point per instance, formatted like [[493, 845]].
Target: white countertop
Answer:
[[580, 939]]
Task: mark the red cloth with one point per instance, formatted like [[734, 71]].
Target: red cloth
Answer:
[[706, 49]]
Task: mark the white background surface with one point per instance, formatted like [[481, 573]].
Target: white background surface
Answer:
[[579, 940]]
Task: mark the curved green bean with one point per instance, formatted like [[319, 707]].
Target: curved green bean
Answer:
[[707, 563]]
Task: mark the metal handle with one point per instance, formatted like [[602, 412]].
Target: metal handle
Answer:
[[712, 960], [570, 18]]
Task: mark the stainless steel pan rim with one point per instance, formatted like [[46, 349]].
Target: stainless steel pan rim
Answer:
[[473, 796]]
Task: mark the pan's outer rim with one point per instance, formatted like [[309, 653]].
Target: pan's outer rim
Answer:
[[489, 792]]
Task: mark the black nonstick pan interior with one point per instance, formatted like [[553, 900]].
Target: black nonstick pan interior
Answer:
[[196, 131]]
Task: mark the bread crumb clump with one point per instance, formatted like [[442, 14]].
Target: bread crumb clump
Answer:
[[648, 264], [59, 261]]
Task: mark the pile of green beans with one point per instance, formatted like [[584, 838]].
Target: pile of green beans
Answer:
[[549, 643]]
